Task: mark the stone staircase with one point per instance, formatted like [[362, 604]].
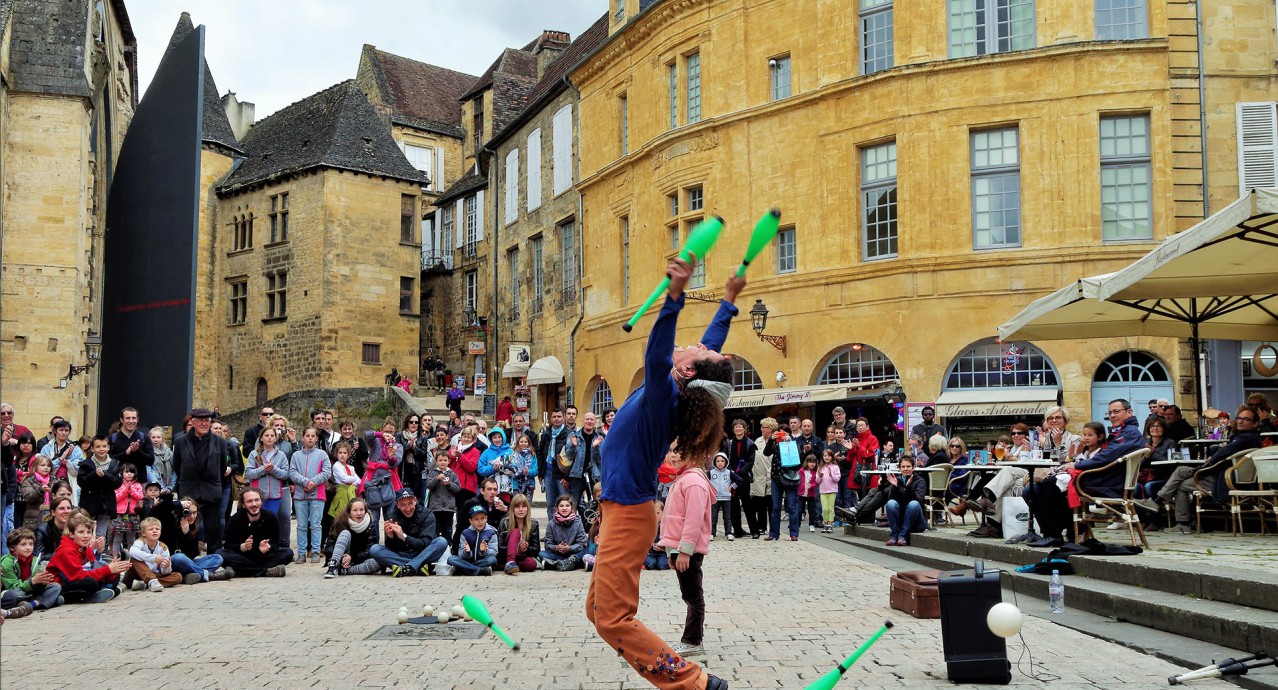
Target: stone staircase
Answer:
[[436, 404], [1217, 610]]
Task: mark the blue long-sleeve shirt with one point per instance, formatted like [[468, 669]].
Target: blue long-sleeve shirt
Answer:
[[640, 434]]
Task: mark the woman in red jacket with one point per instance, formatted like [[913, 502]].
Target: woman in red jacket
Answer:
[[465, 462], [862, 452], [72, 566]]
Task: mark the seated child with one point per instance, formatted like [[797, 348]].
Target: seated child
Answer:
[[353, 540], [477, 549], [72, 563], [521, 537], [657, 558], [152, 565], [21, 579], [565, 538]]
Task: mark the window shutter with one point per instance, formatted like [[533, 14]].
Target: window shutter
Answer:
[[512, 185], [437, 182], [534, 169], [479, 216], [562, 148], [459, 223], [1257, 146]]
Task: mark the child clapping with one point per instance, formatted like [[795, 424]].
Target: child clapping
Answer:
[[477, 550]]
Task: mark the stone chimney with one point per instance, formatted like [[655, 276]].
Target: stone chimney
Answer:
[[240, 113], [548, 47]]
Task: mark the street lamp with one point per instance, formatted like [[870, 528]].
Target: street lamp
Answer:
[[92, 350], [759, 320]]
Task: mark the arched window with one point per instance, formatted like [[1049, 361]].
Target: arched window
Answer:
[[991, 364], [856, 364], [602, 397], [744, 377], [262, 397], [1131, 366]]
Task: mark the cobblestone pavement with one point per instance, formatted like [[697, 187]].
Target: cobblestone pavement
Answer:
[[779, 615]]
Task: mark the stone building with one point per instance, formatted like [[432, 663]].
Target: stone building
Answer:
[[421, 103], [536, 235], [316, 243], [68, 89], [938, 168]]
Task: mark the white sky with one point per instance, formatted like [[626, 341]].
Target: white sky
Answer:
[[276, 52]]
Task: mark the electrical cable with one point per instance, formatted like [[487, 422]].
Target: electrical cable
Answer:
[[1041, 676]]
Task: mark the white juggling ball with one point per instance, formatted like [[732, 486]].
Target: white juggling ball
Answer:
[[1004, 619], [428, 611], [402, 616], [443, 617]]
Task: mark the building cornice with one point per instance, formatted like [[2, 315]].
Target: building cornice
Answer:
[[627, 38]]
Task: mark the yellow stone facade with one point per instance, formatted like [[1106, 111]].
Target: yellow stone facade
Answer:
[[53, 188], [802, 154]]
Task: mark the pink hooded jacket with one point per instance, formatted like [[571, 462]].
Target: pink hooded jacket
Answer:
[[685, 525]]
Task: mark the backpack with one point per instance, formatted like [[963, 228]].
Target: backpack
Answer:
[[789, 478]]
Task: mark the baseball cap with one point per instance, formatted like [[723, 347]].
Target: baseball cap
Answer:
[[476, 510], [405, 493]]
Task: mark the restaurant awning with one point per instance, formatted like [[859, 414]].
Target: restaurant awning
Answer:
[[546, 370], [768, 397], [996, 402]]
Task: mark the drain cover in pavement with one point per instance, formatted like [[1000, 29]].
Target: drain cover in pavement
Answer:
[[452, 631]]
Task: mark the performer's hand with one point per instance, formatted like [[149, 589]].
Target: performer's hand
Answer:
[[680, 562], [733, 287], [679, 271]]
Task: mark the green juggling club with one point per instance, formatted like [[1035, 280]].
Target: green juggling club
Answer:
[[476, 609], [827, 681], [700, 240], [764, 231]]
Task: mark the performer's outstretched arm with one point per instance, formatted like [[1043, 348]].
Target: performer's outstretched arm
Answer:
[[717, 332]]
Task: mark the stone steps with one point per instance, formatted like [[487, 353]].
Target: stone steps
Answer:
[[1235, 610]]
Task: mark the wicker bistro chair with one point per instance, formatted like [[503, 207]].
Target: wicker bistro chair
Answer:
[[1122, 508], [938, 482], [1204, 502], [1259, 469]]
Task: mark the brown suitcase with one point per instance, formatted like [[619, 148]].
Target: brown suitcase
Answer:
[[915, 592]]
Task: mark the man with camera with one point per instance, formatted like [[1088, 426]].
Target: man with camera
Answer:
[[200, 460]]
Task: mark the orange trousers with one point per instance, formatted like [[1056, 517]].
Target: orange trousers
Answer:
[[626, 534]]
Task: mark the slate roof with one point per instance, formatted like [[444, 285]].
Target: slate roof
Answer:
[[47, 45], [6, 11], [468, 183], [217, 127], [420, 95], [512, 62], [551, 83], [335, 128]]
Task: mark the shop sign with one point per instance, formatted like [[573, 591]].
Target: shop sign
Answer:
[[994, 409], [475, 347]]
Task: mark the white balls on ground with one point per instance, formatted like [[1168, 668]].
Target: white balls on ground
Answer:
[[428, 611], [459, 612], [443, 617], [402, 616], [1004, 619]]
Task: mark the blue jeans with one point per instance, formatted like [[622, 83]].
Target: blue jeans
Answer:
[[847, 497], [285, 516], [309, 513], [44, 596], [656, 561], [201, 566], [461, 566], [813, 506], [378, 513], [913, 522], [6, 525], [432, 553], [226, 505], [552, 489], [789, 498], [555, 556]]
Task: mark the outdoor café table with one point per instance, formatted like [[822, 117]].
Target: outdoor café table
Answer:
[[1269, 434], [1178, 461], [1030, 466], [1198, 446]]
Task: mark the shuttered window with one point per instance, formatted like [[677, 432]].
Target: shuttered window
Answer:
[[562, 149], [534, 169], [1257, 146], [512, 186]]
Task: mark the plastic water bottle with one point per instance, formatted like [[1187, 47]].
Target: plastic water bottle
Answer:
[[1056, 593]]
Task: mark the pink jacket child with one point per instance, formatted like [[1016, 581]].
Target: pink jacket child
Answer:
[[808, 483], [685, 524], [127, 498], [828, 479]]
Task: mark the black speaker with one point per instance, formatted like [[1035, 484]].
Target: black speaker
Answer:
[[972, 653]]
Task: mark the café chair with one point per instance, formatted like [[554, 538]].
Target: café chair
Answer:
[[1253, 487], [1122, 508], [1204, 501], [936, 490]]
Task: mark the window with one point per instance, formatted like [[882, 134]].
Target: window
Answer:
[[857, 364], [779, 69], [512, 186], [534, 169], [371, 353], [242, 235], [989, 364], [876, 36], [472, 291], [539, 278], [996, 189], [239, 301], [978, 27], [693, 64], [1131, 366], [477, 123], [277, 295], [601, 399], [230, 377], [568, 243], [406, 295], [687, 208], [625, 260], [421, 158], [512, 262], [674, 94], [786, 251], [408, 219], [1121, 19], [279, 217], [1126, 189], [262, 395], [624, 106], [619, 9], [561, 148], [744, 376], [878, 201], [447, 229], [696, 203], [472, 224], [1257, 146]]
